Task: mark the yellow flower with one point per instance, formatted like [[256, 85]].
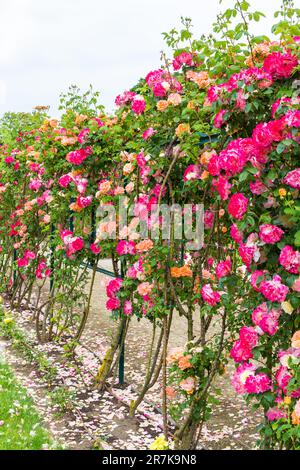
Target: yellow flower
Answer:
[[191, 105], [160, 443], [1, 299], [287, 400], [7, 320], [287, 307], [282, 193]]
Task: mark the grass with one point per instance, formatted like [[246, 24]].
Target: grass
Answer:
[[21, 427]]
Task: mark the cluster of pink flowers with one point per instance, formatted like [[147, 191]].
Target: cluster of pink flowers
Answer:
[[95, 248], [280, 65], [245, 380], [138, 104], [184, 58], [83, 135], [112, 290], [262, 78], [161, 82], [77, 157], [42, 271], [27, 256], [242, 348], [276, 66], [136, 271], [73, 244], [125, 98], [84, 201], [237, 206], [192, 172], [79, 181], [293, 179], [125, 247], [148, 133]]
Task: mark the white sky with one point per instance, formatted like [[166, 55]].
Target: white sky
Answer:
[[45, 46]]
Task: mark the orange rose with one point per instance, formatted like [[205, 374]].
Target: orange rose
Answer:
[[295, 419], [184, 362], [182, 129], [170, 392], [184, 271], [204, 175], [175, 272], [75, 208], [191, 105], [162, 105]]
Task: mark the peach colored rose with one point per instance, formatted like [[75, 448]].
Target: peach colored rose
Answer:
[[104, 187], [171, 393], [145, 288], [205, 157], [128, 168], [144, 245], [296, 339], [296, 285], [162, 105], [119, 190], [184, 362], [188, 385], [174, 99], [129, 188], [183, 128], [204, 175]]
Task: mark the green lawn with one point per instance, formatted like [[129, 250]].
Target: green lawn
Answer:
[[20, 425]]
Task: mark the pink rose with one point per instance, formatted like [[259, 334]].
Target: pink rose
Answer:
[[290, 259], [209, 296], [270, 233], [237, 206], [274, 290]]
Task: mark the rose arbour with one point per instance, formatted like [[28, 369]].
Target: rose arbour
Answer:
[[211, 140]]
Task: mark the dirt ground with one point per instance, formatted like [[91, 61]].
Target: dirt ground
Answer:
[[104, 417]]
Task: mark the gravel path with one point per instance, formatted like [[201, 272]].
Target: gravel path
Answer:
[[103, 418]]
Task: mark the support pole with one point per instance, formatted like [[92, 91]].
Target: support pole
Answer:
[[122, 342]]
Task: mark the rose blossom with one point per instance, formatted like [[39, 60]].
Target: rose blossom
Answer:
[[270, 233], [290, 259], [274, 290], [237, 206], [209, 296]]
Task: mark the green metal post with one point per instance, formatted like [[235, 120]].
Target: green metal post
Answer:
[[122, 343]]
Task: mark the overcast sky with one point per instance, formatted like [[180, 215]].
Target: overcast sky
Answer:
[[45, 46]]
